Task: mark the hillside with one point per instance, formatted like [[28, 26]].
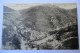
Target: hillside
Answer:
[[41, 27], [10, 22]]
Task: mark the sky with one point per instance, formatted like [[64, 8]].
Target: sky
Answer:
[[24, 6]]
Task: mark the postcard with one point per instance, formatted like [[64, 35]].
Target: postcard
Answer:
[[33, 26]]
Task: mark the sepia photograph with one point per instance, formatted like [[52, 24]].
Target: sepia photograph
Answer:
[[40, 26]]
